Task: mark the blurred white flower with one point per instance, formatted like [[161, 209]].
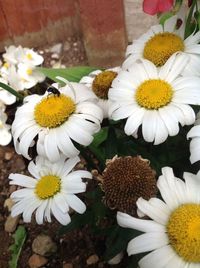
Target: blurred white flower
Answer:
[[6, 97], [4, 71], [5, 135], [13, 54], [15, 81], [29, 75], [31, 57]]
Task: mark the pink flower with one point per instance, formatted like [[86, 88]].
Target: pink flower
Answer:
[[153, 7]]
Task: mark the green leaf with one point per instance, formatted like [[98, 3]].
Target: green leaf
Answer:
[[164, 17], [100, 137], [190, 27], [19, 237], [111, 143], [99, 154], [177, 6], [72, 74], [11, 90], [197, 16]]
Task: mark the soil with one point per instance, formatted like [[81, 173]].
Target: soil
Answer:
[[75, 247]]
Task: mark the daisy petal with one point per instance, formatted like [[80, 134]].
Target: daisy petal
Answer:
[[147, 242], [75, 203], [158, 258], [124, 220]]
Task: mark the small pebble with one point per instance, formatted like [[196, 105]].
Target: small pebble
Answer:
[[92, 259], [55, 56], [44, 245], [66, 46], [8, 204], [36, 261], [116, 259], [8, 155], [11, 224], [56, 48]]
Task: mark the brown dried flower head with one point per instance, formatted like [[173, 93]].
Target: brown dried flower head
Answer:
[[102, 83], [124, 180]]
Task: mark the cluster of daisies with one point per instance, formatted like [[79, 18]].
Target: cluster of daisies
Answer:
[[17, 70], [154, 90]]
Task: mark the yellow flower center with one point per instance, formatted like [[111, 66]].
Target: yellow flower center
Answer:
[[1, 124], [161, 46], [6, 65], [184, 232], [47, 186], [29, 71], [102, 83], [29, 56], [53, 111], [153, 94]]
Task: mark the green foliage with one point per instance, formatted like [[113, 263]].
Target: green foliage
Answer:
[[72, 74], [117, 241], [100, 137], [165, 16], [190, 22], [11, 90], [197, 17], [19, 239]]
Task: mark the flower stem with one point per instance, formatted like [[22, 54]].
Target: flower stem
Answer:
[[11, 90]]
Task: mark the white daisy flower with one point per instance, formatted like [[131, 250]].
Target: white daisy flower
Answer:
[[30, 57], [30, 75], [173, 233], [13, 55], [51, 189], [194, 134], [6, 97], [15, 81], [4, 70], [100, 82], [155, 98], [5, 135], [56, 121], [161, 42]]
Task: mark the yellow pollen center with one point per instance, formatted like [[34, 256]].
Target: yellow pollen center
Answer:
[[29, 56], [102, 83], [53, 110], [47, 186], [6, 65], [1, 124], [161, 46], [29, 71], [183, 229], [153, 94]]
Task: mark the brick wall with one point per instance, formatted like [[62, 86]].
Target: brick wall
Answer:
[[37, 22], [105, 26]]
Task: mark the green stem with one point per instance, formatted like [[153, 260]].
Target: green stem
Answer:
[[12, 91]]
